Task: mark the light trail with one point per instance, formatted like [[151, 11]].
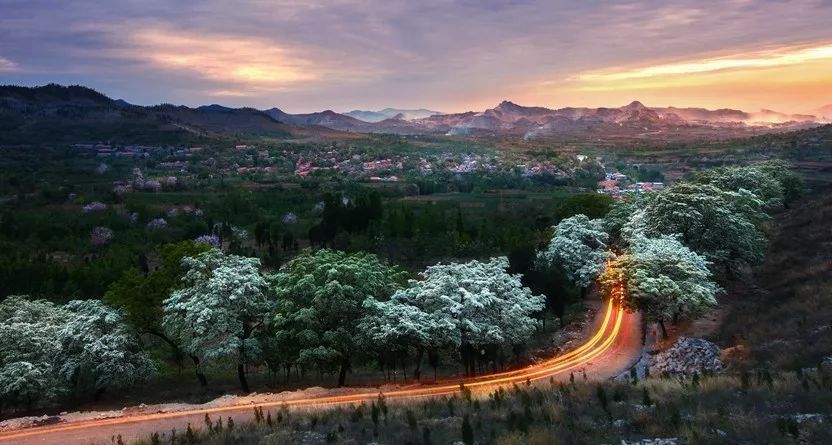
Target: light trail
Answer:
[[603, 339]]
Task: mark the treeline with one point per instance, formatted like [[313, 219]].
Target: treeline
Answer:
[[325, 310], [52, 251]]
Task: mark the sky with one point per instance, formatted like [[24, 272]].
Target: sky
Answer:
[[311, 55]]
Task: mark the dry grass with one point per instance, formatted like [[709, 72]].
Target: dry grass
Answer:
[[715, 409], [781, 315]]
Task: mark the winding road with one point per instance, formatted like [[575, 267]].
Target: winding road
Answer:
[[612, 346]]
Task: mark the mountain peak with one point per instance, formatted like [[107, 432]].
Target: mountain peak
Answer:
[[635, 105]]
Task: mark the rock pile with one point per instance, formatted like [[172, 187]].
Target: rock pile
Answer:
[[687, 356]]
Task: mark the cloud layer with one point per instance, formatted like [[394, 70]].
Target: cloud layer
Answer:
[[452, 55]]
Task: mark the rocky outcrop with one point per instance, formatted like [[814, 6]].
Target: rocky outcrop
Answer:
[[686, 357]]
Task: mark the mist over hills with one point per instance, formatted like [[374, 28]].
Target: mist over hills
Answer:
[[70, 113], [825, 112], [392, 113]]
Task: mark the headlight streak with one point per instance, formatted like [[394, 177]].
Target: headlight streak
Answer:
[[597, 345]]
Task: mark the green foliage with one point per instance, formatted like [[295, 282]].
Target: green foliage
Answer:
[[319, 302], [593, 205], [692, 211], [141, 296]]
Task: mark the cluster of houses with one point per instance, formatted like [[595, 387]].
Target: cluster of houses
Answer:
[[107, 150], [541, 168], [248, 159], [618, 184], [132, 150]]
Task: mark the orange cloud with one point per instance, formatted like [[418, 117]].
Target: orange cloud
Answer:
[[233, 60], [794, 78]]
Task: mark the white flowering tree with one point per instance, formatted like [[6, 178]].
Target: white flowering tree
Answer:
[[619, 215], [48, 350], [395, 325], [662, 278], [319, 302], [220, 310], [29, 330], [721, 225], [579, 248], [97, 344], [468, 306]]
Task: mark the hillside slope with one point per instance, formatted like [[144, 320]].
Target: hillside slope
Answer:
[[55, 114], [781, 315]]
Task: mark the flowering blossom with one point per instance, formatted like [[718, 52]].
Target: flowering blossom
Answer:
[[157, 223], [213, 240], [94, 207], [153, 185], [101, 235]]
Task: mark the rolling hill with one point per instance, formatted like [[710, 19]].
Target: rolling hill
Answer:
[[54, 114]]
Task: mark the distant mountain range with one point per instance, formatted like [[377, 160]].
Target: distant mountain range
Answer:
[[75, 113], [391, 113], [509, 118]]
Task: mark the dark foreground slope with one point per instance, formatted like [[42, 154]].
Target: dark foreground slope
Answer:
[[781, 315]]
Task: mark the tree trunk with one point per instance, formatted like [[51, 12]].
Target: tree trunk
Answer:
[[342, 374], [98, 393], [583, 292], [643, 333], [664, 329], [417, 373], [241, 374], [203, 381], [468, 360]]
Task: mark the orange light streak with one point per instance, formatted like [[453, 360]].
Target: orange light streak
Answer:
[[598, 344]]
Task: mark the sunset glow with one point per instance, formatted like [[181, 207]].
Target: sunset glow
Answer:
[[312, 56], [239, 62]]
